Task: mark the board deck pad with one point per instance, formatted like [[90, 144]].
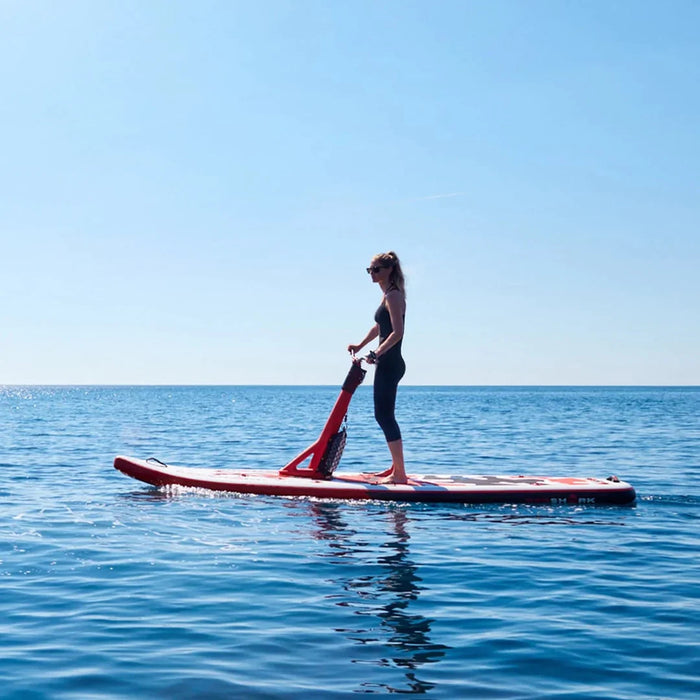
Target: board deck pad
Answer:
[[436, 488]]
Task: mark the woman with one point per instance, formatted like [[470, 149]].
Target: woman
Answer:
[[385, 270]]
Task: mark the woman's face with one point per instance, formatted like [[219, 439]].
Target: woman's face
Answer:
[[378, 271]]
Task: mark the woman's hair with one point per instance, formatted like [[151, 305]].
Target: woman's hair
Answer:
[[396, 278]]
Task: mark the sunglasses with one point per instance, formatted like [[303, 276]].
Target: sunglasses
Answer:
[[375, 268]]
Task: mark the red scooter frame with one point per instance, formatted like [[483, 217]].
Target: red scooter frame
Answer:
[[318, 449]]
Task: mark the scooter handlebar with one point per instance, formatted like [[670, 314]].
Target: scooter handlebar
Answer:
[[370, 358]]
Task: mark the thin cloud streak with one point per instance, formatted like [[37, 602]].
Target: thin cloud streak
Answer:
[[439, 196]]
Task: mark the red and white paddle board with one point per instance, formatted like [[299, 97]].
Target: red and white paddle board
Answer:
[[468, 488]]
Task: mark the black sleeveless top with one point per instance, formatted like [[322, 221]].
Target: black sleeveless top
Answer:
[[383, 318]]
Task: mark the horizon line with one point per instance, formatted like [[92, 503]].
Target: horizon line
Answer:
[[407, 386]]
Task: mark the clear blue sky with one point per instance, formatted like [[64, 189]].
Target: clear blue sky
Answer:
[[190, 191]]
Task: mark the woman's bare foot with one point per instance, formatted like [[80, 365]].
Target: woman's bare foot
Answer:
[[396, 473], [393, 479]]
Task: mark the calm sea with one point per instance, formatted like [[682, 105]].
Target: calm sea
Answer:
[[113, 589]]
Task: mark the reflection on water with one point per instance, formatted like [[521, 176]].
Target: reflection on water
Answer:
[[380, 594], [561, 518]]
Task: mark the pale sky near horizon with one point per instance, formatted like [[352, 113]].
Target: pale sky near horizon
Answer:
[[190, 191]]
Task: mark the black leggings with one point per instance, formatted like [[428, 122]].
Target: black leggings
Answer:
[[387, 376]]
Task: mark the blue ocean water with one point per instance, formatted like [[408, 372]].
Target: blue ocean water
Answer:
[[113, 589]]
